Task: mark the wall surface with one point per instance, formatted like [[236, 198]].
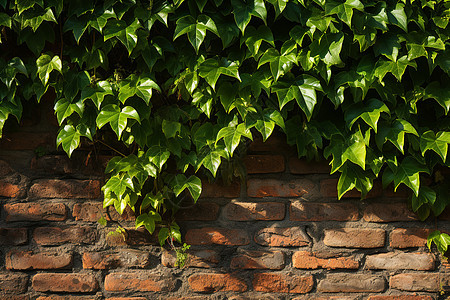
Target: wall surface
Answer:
[[282, 234]]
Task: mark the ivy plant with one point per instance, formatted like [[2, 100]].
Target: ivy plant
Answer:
[[178, 87]]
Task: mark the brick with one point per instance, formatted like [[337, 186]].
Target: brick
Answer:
[[52, 164], [26, 140], [401, 297], [253, 296], [13, 236], [313, 212], [321, 297], [402, 192], [400, 261], [93, 211], [128, 258], [209, 282], [282, 283], [328, 189], [138, 282], [50, 236], [13, 283], [185, 298], [416, 282], [60, 282], [351, 283], [202, 211], [196, 258], [35, 212], [15, 297], [250, 211], [217, 190], [261, 164], [67, 297], [27, 260], [307, 260], [409, 237], [66, 189], [131, 237], [127, 298], [388, 212], [11, 190], [282, 237], [354, 238], [275, 143], [302, 166], [219, 236], [248, 259], [260, 188]]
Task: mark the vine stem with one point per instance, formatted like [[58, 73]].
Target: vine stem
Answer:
[[115, 150]]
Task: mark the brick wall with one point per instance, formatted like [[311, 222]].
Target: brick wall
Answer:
[[280, 235]]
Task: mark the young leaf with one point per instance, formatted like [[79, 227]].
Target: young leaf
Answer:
[[353, 176], [116, 117], [46, 64], [408, 173], [232, 137], [64, 108], [69, 138], [148, 220]]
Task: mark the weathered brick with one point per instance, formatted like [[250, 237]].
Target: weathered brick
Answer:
[[253, 296], [322, 297], [138, 282], [27, 260], [354, 237], [400, 261], [409, 237], [302, 166], [251, 211], [56, 164], [401, 297], [93, 211], [15, 297], [11, 190], [388, 212], [328, 189], [307, 260], [282, 283], [351, 283], [196, 258], [260, 164], [128, 258], [209, 282], [131, 237], [127, 298], [185, 298], [247, 259], [282, 237], [66, 189], [260, 188], [202, 211], [13, 236], [416, 282], [66, 297], [60, 282], [35, 212], [11, 283], [26, 140], [217, 190], [49, 236], [313, 212], [219, 236]]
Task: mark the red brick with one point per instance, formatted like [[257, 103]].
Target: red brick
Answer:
[[219, 236], [208, 282], [93, 211], [313, 212], [26, 140], [409, 237], [302, 166], [27, 260], [351, 283], [202, 211], [416, 282], [282, 283], [354, 238], [10, 190], [35, 212], [400, 297], [217, 190], [15, 297], [282, 237], [253, 296], [67, 297], [60, 282], [400, 261], [251, 211], [67, 189], [328, 189], [49, 236], [127, 298], [118, 259], [247, 259], [260, 188], [321, 297], [13, 236], [131, 237], [138, 282], [5, 169], [196, 259], [261, 164], [388, 212], [11, 283], [185, 298], [307, 260]]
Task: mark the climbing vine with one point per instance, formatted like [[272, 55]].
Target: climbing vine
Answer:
[[177, 88]]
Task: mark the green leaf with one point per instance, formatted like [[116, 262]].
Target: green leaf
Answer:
[[163, 235], [408, 173], [441, 240], [77, 25], [69, 138], [46, 64], [395, 134], [344, 11], [279, 63], [232, 137], [353, 176], [139, 86], [126, 34], [388, 45], [118, 184], [440, 94], [397, 68], [116, 117], [193, 184], [426, 196], [243, 11], [398, 17], [97, 93], [5, 20], [170, 128], [148, 220], [210, 159], [369, 111], [64, 108], [195, 29], [212, 68], [438, 143], [328, 48], [254, 37]]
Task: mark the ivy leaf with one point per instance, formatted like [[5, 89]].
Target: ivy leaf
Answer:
[[426, 196], [369, 111], [397, 68], [148, 220], [266, 121], [395, 134], [344, 11], [408, 173], [438, 143], [442, 240], [64, 108], [5, 20], [133, 85], [69, 138], [195, 29], [193, 184], [232, 137], [398, 17], [441, 95], [77, 25], [280, 63], [126, 34], [243, 11], [171, 128], [97, 93], [353, 176], [46, 64], [212, 68], [210, 159], [254, 37], [116, 117], [388, 45], [158, 156]]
